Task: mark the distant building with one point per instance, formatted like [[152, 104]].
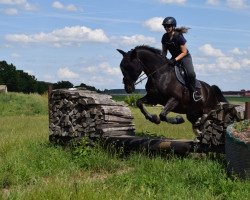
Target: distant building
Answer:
[[241, 93], [3, 89]]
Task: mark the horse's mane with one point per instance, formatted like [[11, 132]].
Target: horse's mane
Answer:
[[149, 48]]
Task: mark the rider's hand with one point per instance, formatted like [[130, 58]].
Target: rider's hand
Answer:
[[172, 61]]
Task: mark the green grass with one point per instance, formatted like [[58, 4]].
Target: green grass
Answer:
[[168, 130], [229, 98], [22, 104], [32, 168], [238, 99]]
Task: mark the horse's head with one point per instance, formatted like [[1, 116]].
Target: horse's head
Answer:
[[131, 68]]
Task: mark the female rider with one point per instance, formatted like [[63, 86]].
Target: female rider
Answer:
[[174, 42]]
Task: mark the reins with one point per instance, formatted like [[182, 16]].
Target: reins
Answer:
[[148, 75]]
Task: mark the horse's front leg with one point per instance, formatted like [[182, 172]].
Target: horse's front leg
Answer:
[[153, 118], [171, 104]]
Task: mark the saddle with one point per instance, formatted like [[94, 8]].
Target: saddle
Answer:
[[182, 77]]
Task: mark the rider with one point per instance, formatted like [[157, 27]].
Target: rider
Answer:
[[174, 42]]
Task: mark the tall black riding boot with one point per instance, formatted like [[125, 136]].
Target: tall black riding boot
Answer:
[[195, 93]]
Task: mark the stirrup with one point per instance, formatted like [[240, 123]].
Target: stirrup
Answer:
[[197, 98]]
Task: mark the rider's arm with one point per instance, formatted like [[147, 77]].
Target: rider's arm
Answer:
[[183, 52], [164, 51]]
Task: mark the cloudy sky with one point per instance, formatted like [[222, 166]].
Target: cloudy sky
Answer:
[[77, 40]]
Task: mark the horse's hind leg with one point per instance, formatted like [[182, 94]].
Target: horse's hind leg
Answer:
[[153, 118], [171, 105]]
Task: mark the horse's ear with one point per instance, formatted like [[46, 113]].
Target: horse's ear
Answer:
[[121, 52], [133, 54]]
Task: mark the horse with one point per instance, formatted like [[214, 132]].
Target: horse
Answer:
[[163, 87]]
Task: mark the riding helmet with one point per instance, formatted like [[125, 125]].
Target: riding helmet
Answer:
[[169, 21]]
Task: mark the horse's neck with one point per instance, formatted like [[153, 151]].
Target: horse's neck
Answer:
[[151, 65]]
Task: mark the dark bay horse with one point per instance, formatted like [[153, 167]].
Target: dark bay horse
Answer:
[[163, 87]]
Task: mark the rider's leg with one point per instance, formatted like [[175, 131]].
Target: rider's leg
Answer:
[[188, 64], [195, 93]]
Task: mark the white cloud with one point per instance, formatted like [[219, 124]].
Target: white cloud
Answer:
[[71, 7], [102, 68], [13, 2], [60, 6], [103, 75], [245, 63], [214, 61], [110, 70], [15, 55], [208, 50], [228, 63], [102, 82], [65, 36], [237, 51], [237, 4], [24, 4], [173, 1], [155, 24], [134, 40], [11, 11], [213, 2], [66, 73], [57, 5]]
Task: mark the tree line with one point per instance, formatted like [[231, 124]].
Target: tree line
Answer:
[[20, 81]]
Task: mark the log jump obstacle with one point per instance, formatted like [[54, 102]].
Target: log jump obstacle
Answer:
[[78, 113]]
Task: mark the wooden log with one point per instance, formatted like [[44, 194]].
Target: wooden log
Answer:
[[112, 118], [112, 124], [117, 110], [82, 113], [161, 145], [211, 127], [113, 129]]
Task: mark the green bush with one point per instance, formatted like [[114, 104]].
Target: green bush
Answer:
[[131, 99]]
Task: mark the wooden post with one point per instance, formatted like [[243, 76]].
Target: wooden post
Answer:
[[49, 92], [247, 110], [49, 96]]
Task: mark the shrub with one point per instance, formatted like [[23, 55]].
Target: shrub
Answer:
[[131, 99]]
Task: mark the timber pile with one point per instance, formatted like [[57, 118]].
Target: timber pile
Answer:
[[211, 127], [83, 113]]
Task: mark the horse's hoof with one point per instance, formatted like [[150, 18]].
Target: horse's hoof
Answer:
[[179, 119], [163, 118], [156, 119]]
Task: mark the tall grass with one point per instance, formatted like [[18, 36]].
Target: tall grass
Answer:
[[22, 104], [32, 168]]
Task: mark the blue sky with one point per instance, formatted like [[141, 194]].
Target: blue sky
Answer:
[[77, 40]]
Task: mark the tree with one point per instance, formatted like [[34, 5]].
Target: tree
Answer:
[[8, 76], [91, 88], [20, 81], [62, 84]]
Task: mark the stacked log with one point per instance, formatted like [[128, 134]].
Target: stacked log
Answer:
[[211, 127], [83, 113]]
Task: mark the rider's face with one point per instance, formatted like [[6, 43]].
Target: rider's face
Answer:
[[168, 28]]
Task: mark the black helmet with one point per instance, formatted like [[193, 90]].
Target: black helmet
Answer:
[[169, 21]]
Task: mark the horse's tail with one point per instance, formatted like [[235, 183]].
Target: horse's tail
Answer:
[[218, 93]]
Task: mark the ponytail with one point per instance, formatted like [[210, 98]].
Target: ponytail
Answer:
[[182, 29]]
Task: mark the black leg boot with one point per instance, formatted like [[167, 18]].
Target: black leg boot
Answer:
[[195, 94]]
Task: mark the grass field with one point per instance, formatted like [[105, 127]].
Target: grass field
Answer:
[[32, 168]]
